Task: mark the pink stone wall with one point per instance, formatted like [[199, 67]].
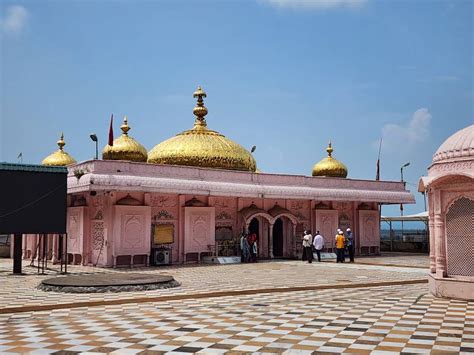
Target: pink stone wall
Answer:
[[132, 234], [106, 231]]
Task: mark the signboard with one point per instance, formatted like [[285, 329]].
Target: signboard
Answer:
[[163, 234]]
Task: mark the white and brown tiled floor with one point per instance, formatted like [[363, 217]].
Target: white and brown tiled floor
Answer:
[[400, 318]]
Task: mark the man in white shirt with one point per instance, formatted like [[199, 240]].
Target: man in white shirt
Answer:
[[308, 246], [318, 244]]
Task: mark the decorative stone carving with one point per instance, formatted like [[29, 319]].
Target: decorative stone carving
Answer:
[[199, 229], [369, 234], [163, 215], [163, 201], [97, 233], [132, 231], [327, 224]]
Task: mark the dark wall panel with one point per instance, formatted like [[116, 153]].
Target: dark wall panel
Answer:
[[32, 202]]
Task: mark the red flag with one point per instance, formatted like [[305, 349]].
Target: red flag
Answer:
[[111, 131]]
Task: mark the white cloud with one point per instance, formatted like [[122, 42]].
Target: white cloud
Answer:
[[398, 137], [315, 4], [14, 19]]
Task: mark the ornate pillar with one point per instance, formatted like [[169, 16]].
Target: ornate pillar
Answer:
[[440, 245], [432, 233], [270, 241]]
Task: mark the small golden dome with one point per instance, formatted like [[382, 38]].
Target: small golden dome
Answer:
[[125, 147], [329, 166], [59, 157], [202, 147]]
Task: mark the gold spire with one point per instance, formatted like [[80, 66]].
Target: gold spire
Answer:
[[329, 149], [125, 128], [200, 111], [202, 147], [125, 147], [61, 142], [59, 157], [329, 166]]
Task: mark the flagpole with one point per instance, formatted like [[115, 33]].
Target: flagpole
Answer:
[[377, 175]]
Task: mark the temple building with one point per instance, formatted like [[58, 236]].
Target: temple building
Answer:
[[450, 190], [195, 193]]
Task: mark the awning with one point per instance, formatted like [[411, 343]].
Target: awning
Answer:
[[422, 216]]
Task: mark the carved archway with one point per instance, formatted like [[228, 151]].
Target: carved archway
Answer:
[[460, 237]]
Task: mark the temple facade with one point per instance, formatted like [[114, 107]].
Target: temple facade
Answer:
[[450, 190], [195, 193]]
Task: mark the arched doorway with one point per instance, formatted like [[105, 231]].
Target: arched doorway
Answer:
[[254, 227], [278, 238], [459, 236]]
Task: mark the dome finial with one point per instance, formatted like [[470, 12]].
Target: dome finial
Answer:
[[200, 111], [125, 127], [329, 149], [61, 142]]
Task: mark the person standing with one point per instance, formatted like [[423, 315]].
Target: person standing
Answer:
[[340, 244], [350, 244], [318, 244], [308, 246], [254, 251], [242, 252]]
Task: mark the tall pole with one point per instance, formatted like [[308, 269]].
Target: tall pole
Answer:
[[96, 149], [401, 205]]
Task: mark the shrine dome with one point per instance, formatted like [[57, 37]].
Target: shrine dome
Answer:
[[202, 147], [125, 147], [59, 157], [330, 167], [459, 146]]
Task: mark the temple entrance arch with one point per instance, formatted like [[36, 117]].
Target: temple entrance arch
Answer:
[[254, 227], [278, 238]]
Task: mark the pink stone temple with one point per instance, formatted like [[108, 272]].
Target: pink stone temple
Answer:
[[450, 189], [195, 193]]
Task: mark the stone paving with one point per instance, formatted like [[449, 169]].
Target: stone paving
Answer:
[[398, 259], [286, 307], [379, 320], [21, 291]]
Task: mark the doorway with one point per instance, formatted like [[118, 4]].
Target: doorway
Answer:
[[278, 238], [254, 227]]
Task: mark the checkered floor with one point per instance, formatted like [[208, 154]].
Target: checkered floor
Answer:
[[394, 319], [20, 291]]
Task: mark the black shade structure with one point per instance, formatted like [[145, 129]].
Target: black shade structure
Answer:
[[33, 201]]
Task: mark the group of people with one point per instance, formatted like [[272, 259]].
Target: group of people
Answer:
[[248, 248], [315, 245], [311, 245], [344, 242]]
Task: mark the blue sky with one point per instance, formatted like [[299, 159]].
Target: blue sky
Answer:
[[285, 75]]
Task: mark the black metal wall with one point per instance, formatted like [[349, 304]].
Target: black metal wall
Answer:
[[32, 202]]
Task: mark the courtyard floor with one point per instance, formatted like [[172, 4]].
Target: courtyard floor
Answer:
[[377, 305]]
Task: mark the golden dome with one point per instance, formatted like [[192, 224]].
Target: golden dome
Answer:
[[125, 147], [59, 157], [202, 147], [329, 166]]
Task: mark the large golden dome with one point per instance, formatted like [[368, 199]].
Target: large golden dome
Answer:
[[59, 157], [329, 166], [125, 147], [202, 147]]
